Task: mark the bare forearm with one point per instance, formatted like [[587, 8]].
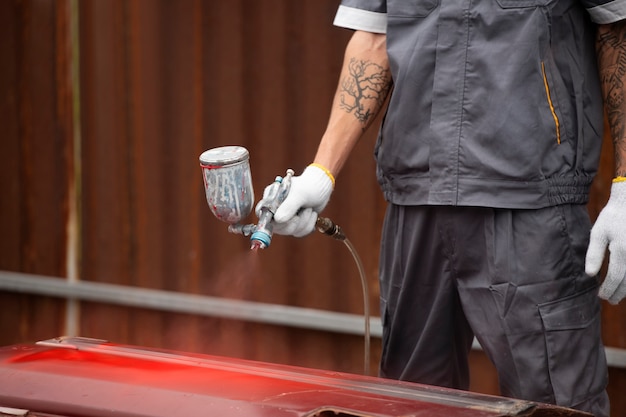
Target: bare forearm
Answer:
[[364, 84], [611, 46]]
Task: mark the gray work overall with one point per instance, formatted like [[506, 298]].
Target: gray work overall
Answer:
[[490, 142]]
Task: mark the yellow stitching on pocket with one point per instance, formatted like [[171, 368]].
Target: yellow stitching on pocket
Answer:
[[556, 118]]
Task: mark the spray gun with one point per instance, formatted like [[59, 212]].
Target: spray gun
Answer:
[[229, 193], [261, 233]]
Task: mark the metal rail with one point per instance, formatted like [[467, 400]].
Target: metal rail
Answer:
[[188, 303], [210, 306]]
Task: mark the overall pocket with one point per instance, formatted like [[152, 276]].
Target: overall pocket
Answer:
[[518, 4], [411, 8], [576, 358]]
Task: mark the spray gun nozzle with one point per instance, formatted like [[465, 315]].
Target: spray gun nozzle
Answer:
[[256, 245], [260, 239]]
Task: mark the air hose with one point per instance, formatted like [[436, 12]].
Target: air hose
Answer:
[[329, 228]]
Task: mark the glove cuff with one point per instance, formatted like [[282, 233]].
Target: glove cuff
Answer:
[[326, 171], [317, 175], [618, 191], [316, 181]]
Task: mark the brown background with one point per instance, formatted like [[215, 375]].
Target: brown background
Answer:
[[105, 107]]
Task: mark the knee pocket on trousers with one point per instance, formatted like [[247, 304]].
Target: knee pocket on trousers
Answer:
[[575, 354]]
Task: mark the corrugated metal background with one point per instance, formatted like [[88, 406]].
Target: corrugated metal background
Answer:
[[160, 82]]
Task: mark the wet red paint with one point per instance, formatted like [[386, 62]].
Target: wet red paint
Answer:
[[89, 378], [56, 357]]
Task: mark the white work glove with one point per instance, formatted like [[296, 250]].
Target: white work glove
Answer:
[[610, 230], [308, 195]]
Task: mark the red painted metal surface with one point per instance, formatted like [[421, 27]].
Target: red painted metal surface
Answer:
[[88, 377]]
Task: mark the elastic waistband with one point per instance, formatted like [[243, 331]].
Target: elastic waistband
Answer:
[[487, 192]]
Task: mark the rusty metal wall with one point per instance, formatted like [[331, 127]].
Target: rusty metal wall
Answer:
[[35, 144], [160, 82]]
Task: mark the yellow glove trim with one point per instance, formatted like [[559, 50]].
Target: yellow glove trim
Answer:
[[619, 179], [330, 175]]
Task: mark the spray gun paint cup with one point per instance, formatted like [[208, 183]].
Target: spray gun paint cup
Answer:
[[228, 182]]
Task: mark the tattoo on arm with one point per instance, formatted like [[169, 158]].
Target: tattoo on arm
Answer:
[[364, 89], [611, 47]]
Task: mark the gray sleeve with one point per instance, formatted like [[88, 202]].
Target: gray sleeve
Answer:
[[606, 11], [366, 15]]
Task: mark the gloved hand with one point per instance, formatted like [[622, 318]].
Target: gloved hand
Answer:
[[610, 229], [308, 195]]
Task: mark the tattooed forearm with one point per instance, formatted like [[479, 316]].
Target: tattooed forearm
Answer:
[[364, 89], [611, 46]]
